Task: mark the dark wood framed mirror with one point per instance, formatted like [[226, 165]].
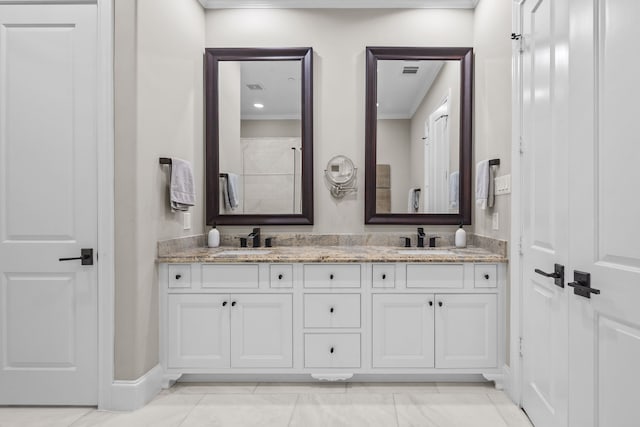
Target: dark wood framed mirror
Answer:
[[259, 136], [418, 135]]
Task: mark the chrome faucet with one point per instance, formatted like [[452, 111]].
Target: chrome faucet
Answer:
[[421, 236], [255, 235]]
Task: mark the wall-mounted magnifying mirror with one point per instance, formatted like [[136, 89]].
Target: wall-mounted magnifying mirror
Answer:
[[418, 135], [259, 136]]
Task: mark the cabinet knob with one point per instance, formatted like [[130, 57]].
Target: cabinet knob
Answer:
[[331, 276], [331, 350], [224, 303], [178, 276], [430, 303], [279, 276], [440, 304], [384, 276], [331, 310], [486, 276], [233, 303]]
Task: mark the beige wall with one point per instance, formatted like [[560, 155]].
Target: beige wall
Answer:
[[272, 128], [394, 148], [492, 104], [158, 92], [339, 38]]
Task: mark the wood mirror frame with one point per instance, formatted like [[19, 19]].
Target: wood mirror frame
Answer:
[[212, 58], [465, 56]]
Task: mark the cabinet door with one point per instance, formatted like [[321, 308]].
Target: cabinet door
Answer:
[[198, 328], [261, 331], [466, 331], [403, 331]]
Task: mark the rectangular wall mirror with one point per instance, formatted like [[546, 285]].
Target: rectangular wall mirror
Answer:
[[418, 135], [259, 136]]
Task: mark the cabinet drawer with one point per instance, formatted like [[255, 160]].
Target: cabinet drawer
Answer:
[[435, 276], [332, 350], [384, 276], [485, 276], [230, 276], [332, 276], [281, 276], [332, 311], [180, 275]]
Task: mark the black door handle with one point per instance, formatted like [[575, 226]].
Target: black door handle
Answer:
[[582, 284], [557, 275], [86, 256], [430, 303]]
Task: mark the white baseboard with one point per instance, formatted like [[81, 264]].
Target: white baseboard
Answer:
[[132, 395]]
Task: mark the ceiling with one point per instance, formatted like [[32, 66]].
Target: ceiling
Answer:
[[279, 90], [338, 4]]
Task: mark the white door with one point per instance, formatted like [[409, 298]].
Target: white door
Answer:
[[544, 210], [48, 204], [261, 331], [198, 330], [466, 331], [403, 331], [604, 351]]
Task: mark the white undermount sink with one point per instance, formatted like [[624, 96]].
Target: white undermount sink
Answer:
[[241, 252], [425, 252]]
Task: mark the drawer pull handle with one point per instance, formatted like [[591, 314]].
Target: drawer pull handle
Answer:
[[233, 303], [331, 350], [178, 276], [486, 276], [279, 276], [384, 277], [331, 276], [440, 304], [430, 303], [331, 310], [224, 303]]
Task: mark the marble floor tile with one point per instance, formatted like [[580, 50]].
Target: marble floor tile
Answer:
[[214, 388], [512, 414], [296, 388], [447, 410], [463, 387], [163, 411], [240, 410], [382, 387], [340, 410], [41, 416]]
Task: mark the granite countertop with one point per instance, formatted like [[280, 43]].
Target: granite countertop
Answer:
[[328, 254]]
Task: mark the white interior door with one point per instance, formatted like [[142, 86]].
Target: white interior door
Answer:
[[605, 208], [48, 205], [544, 210]]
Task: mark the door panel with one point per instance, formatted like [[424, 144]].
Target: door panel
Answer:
[[48, 205], [545, 209], [262, 331], [403, 331], [605, 329]]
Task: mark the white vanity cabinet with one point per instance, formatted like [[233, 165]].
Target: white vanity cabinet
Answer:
[[332, 320]]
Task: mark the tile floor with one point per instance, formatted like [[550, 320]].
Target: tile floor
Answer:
[[296, 404]]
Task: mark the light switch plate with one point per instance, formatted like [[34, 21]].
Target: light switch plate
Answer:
[[502, 184], [186, 217], [495, 220]]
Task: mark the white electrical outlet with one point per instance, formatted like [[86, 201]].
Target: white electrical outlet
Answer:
[[502, 184], [495, 220], [186, 217]]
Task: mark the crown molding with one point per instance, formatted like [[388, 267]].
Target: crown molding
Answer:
[[339, 4]]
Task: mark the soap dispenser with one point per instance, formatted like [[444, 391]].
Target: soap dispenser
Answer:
[[461, 237], [213, 240]]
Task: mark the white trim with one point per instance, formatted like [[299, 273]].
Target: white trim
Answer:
[[106, 204], [339, 4], [132, 395], [514, 387]]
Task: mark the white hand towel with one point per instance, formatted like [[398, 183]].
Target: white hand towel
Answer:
[[182, 192], [454, 189], [232, 190], [482, 183], [413, 200]]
